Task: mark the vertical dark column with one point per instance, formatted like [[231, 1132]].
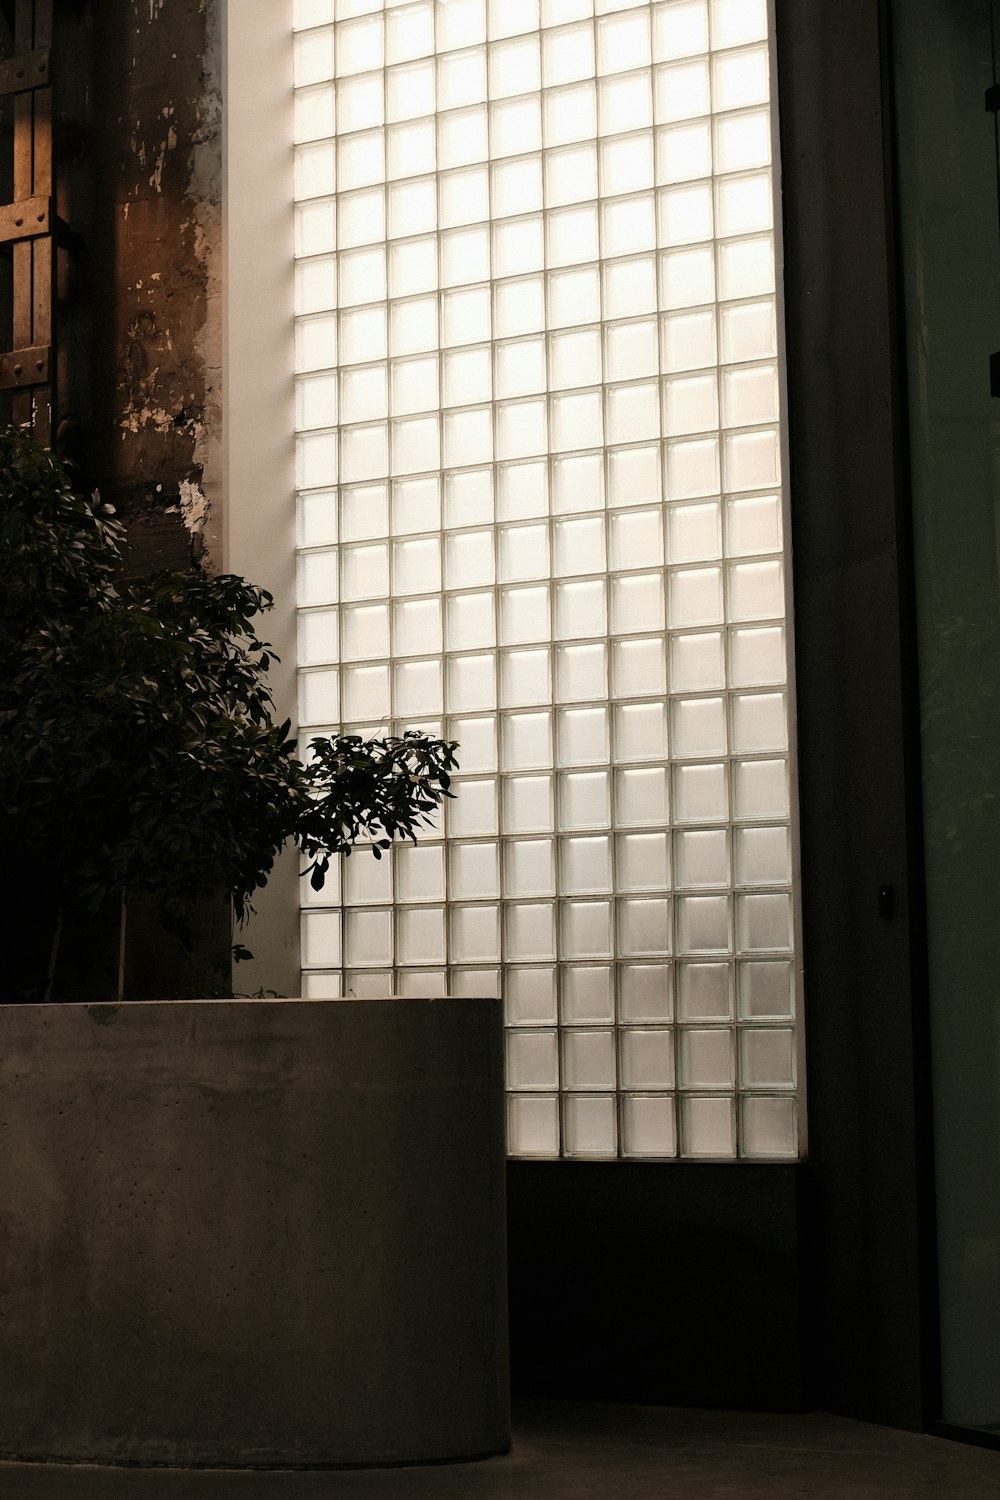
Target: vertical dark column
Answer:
[[858, 746]]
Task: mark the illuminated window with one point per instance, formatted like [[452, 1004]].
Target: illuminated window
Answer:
[[540, 512]]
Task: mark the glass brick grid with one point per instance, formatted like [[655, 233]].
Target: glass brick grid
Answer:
[[539, 510]]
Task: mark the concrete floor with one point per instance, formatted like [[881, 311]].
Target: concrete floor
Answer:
[[575, 1452]]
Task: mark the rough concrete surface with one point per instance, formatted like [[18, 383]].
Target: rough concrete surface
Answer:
[[252, 1232]]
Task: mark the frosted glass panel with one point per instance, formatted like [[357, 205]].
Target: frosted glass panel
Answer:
[[540, 512]]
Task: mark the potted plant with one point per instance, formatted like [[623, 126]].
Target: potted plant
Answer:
[[234, 1231]]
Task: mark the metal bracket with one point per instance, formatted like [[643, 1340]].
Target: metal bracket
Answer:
[[25, 367], [26, 220], [28, 71]]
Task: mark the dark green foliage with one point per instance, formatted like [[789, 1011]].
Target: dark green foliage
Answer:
[[138, 751]]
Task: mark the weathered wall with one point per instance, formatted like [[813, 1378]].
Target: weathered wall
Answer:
[[139, 163]]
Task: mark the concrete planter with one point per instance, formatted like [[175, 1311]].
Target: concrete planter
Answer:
[[252, 1232]]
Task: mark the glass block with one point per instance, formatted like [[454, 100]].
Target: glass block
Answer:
[[532, 1125], [417, 689], [623, 41], [511, 17], [528, 867], [637, 602], [626, 163], [416, 505], [315, 175], [478, 741], [315, 227], [634, 476], [318, 577], [474, 934], [473, 811], [766, 990], [630, 287], [625, 104], [705, 1058], [316, 342], [465, 197], [748, 332], [699, 727], [473, 872], [318, 637], [469, 558], [320, 939], [364, 396], [580, 608], [526, 741], [746, 268], [528, 804], [518, 247], [410, 92], [414, 386], [366, 693], [521, 431], [645, 993], [578, 483], [413, 325], [638, 668], [468, 498], [767, 1058], [643, 862], [523, 552], [697, 663], [760, 789], [582, 736], [364, 453], [694, 532], [525, 678], [321, 986], [633, 413], [644, 927], [687, 277], [365, 572], [585, 866], [474, 984], [584, 800], [316, 284], [701, 858], [373, 984], [587, 995], [756, 590], [367, 881], [575, 358], [522, 491], [532, 1060], [588, 1060], [690, 404], [758, 656], [568, 55], [529, 932], [753, 524], [590, 1126], [465, 256], [412, 209], [515, 67], [681, 91], [317, 519], [574, 297], [524, 615], [768, 1127], [641, 797], [704, 992], [468, 437], [315, 114], [740, 79], [764, 922], [585, 930], [693, 469], [684, 152], [570, 177], [680, 29], [530, 996], [570, 113], [648, 1126], [646, 1059], [429, 984], [688, 341], [637, 541], [579, 545], [463, 137], [368, 938], [471, 683], [701, 794], [461, 80], [703, 924], [631, 353], [749, 396], [515, 127], [420, 936], [763, 856], [517, 186], [360, 102], [737, 21], [360, 163], [572, 236], [460, 23], [708, 1127], [581, 673], [365, 630], [520, 371], [316, 459], [471, 623], [416, 565]]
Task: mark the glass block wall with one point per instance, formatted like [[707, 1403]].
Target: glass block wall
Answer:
[[539, 511]]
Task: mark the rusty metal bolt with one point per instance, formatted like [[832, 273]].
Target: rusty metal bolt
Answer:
[[18, 369]]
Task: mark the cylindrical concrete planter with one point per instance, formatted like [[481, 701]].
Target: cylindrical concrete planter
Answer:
[[261, 1233]]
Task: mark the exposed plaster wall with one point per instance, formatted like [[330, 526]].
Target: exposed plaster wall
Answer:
[[140, 105]]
